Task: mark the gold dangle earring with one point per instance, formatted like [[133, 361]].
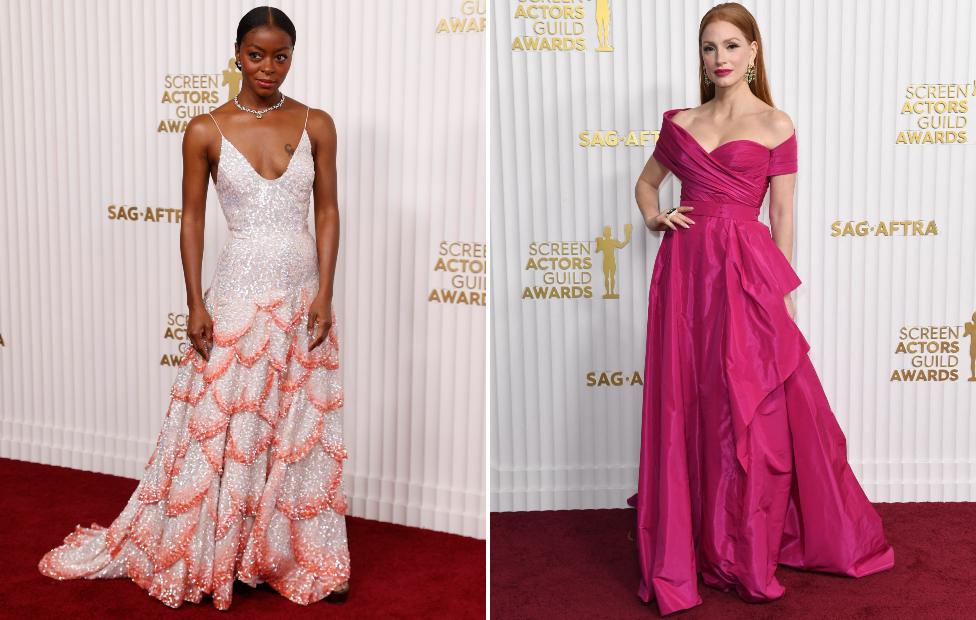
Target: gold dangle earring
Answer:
[[705, 76], [751, 73]]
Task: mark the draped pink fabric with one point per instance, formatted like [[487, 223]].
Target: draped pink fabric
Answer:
[[743, 465]]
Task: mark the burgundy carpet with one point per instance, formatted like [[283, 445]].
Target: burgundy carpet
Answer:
[[397, 571], [580, 564]]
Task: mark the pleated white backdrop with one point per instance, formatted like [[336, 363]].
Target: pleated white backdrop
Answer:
[[564, 434], [92, 301]]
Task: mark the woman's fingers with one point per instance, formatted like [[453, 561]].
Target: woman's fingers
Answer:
[[313, 329], [319, 335], [200, 331], [202, 341], [199, 343], [677, 217]]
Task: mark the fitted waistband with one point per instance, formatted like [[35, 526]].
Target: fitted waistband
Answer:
[[727, 210]]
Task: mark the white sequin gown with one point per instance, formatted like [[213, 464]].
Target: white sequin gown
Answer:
[[246, 478]]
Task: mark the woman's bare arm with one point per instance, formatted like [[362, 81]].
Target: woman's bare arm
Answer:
[[781, 189], [326, 198], [196, 181], [646, 190], [646, 193], [322, 128], [781, 212]]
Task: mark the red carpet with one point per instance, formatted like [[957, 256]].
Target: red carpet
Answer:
[[397, 571], [580, 564]]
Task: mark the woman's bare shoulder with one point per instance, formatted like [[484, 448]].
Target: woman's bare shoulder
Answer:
[[219, 113], [321, 126], [779, 125], [686, 116], [320, 117], [200, 131]]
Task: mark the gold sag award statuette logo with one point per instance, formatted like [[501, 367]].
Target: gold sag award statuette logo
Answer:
[[608, 246], [937, 113], [175, 330], [462, 265], [933, 352], [565, 267], [470, 17], [603, 26], [188, 95], [560, 25]]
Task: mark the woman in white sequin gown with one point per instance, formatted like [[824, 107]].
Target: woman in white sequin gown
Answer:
[[246, 478]]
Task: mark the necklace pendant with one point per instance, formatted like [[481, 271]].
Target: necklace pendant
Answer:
[[259, 114]]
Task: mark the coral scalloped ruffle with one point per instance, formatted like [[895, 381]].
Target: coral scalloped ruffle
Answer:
[[246, 478]]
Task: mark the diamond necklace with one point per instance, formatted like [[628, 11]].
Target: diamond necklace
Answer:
[[259, 113]]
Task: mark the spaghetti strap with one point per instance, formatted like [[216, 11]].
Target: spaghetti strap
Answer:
[[306, 119], [215, 123]]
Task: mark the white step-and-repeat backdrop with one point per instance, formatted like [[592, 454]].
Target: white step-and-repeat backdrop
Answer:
[[92, 302], [881, 94]]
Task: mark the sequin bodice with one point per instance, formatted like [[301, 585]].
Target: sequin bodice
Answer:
[[270, 248]]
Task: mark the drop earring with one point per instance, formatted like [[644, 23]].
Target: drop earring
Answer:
[[751, 73], [705, 77]]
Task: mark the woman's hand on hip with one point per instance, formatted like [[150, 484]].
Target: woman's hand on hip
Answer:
[[661, 221]]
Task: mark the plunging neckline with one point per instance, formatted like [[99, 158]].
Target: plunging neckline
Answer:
[[251, 166], [724, 144]]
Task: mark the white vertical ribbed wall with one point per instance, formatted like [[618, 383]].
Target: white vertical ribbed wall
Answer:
[[84, 299], [840, 70]]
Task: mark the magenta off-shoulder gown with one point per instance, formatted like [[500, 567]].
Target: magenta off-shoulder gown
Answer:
[[743, 465]]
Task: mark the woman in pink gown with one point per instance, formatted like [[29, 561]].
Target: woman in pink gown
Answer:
[[743, 465]]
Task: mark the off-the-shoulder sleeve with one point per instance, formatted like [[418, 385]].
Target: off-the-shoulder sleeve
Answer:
[[664, 147], [782, 159]]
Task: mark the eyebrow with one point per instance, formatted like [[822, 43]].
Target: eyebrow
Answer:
[[258, 47], [725, 41]]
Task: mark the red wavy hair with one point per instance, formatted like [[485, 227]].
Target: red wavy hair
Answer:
[[740, 17]]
